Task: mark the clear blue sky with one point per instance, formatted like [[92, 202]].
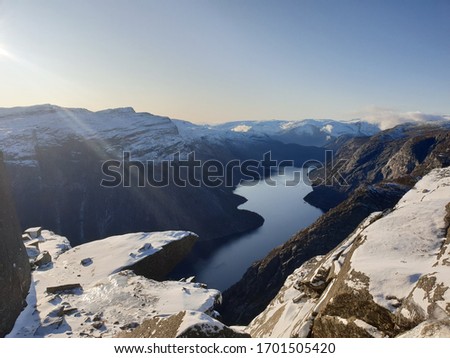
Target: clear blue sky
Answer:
[[218, 60]]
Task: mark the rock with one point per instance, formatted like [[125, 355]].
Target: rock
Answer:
[[67, 311], [185, 324], [64, 288], [44, 258], [429, 329], [32, 253], [97, 325], [86, 262], [49, 325], [158, 265], [34, 232], [129, 326], [15, 268], [146, 247]]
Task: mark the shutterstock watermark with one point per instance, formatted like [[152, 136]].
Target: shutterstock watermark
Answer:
[[191, 171]]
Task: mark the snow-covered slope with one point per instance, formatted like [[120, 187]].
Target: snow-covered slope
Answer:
[[146, 135], [85, 291], [307, 126], [390, 275], [306, 132]]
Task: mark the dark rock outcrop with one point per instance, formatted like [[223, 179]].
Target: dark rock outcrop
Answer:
[[14, 266], [185, 324], [162, 262]]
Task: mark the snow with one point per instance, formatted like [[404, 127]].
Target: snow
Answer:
[[122, 251], [122, 129], [289, 313], [305, 126], [403, 246], [110, 297], [145, 135], [201, 320], [373, 331]]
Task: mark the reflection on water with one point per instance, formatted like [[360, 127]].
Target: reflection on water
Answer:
[[284, 212]]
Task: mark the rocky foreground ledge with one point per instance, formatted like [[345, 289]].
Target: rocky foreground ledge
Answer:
[[389, 278], [92, 290]]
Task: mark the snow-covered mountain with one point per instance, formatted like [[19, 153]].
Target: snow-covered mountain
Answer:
[[115, 130], [391, 276], [306, 132], [145, 135], [150, 136]]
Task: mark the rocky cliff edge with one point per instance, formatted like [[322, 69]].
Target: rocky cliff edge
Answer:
[[390, 277]]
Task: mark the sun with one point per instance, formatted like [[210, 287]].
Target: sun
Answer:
[[5, 54]]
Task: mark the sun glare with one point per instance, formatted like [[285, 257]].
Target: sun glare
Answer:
[[5, 53]]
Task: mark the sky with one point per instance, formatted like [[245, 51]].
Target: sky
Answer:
[[220, 60]]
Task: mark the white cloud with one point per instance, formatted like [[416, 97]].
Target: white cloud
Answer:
[[241, 128], [387, 118], [327, 128]]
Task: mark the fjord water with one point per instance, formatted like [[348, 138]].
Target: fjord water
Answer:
[[284, 211]]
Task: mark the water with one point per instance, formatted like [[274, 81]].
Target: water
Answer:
[[285, 212]]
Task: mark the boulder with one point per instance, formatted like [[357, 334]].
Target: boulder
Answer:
[[64, 288], [44, 258]]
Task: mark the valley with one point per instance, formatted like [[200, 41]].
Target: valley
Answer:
[[255, 242]]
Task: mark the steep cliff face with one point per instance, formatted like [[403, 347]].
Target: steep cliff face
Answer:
[[391, 276], [402, 154], [14, 265]]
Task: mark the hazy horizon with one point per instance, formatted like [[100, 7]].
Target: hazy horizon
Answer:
[[215, 62]]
